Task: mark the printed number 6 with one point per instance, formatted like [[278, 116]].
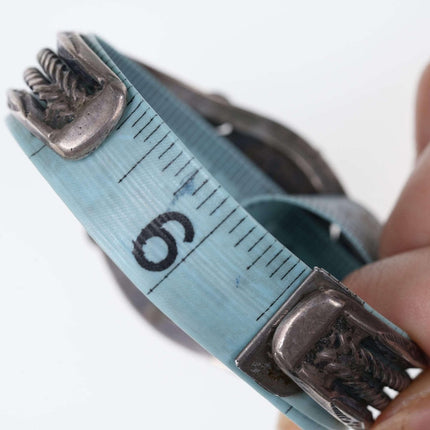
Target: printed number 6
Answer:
[[155, 229]]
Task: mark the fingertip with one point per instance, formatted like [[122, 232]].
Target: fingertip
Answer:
[[397, 287]]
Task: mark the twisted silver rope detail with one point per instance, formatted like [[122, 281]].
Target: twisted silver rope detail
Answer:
[[61, 89], [373, 395], [62, 75], [387, 375], [357, 368]]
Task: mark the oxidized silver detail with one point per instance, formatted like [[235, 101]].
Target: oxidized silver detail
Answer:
[[76, 99], [335, 350]]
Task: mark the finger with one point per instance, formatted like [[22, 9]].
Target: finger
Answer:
[[408, 226], [398, 288], [422, 112], [285, 423], [410, 409]]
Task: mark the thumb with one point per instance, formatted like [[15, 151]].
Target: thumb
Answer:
[[398, 288]]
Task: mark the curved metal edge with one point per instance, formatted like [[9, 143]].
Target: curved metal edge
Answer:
[[97, 117], [274, 135]]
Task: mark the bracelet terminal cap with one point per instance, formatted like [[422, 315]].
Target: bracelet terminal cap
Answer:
[[326, 340], [76, 102]]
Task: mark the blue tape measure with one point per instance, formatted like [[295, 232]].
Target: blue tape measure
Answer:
[[154, 197]]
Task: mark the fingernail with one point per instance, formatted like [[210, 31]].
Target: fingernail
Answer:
[[414, 416]]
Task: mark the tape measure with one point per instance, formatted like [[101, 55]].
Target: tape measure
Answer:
[[151, 190]]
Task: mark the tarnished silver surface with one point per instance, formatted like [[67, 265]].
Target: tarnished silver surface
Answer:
[[326, 341], [75, 102]]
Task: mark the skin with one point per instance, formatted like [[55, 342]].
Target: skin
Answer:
[[398, 284]]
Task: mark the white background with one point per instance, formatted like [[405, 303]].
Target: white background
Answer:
[[73, 353]]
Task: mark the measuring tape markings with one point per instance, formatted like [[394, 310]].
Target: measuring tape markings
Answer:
[[140, 174], [199, 204], [181, 176]]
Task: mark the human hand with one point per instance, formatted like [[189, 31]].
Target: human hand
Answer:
[[398, 285]]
